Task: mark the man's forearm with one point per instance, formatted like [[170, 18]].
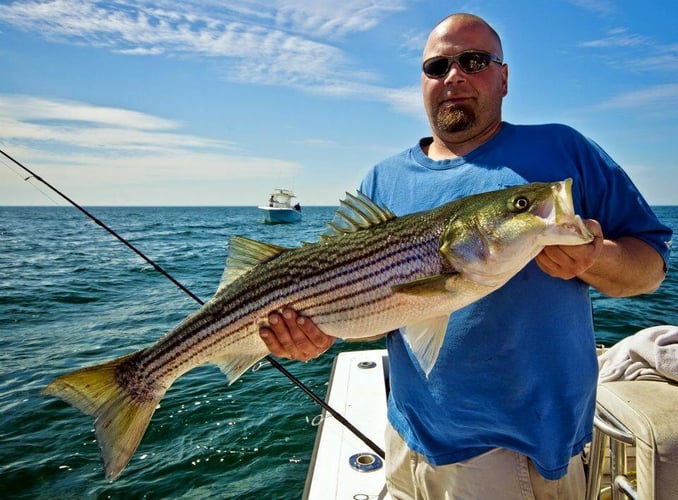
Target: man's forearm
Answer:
[[625, 267]]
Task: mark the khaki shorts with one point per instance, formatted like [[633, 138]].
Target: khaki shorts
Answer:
[[497, 474]]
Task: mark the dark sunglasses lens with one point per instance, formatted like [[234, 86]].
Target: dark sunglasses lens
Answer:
[[474, 62], [436, 67], [469, 62]]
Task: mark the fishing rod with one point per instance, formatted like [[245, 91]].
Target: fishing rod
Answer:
[[340, 418]]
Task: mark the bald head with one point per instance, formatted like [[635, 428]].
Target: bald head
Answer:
[[462, 22]]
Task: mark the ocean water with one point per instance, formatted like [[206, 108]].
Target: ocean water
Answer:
[[71, 295]]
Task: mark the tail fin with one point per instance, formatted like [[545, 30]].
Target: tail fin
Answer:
[[120, 419]]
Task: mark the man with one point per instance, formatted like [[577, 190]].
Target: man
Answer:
[[508, 407]]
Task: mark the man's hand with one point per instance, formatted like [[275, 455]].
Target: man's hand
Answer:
[[294, 337], [567, 262], [622, 267]]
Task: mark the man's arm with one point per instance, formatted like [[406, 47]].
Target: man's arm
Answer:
[[618, 268]]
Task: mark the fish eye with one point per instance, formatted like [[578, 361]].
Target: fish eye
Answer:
[[521, 203]]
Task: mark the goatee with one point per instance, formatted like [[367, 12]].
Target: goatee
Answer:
[[454, 118]]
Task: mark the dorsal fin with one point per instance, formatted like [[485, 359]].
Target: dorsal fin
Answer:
[[356, 213], [243, 255]]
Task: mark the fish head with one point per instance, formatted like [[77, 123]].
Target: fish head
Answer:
[[493, 235]]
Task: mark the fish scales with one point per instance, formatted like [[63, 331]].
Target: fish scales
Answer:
[[318, 290]]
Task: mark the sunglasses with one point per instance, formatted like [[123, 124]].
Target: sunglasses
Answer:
[[470, 61]]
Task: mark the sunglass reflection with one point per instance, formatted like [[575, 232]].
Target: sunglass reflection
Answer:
[[471, 61]]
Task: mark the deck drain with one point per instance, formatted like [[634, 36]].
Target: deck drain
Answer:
[[365, 462], [367, 364]]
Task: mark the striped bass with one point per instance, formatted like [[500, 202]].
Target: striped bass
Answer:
[[371, 273]]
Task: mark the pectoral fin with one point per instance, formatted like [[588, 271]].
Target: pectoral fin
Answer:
[[431, 285], [425, 340]]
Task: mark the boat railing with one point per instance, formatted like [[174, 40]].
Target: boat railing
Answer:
[[608, 429], [635, 419]]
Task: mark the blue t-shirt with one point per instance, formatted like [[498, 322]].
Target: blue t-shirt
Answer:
[[517, 368]]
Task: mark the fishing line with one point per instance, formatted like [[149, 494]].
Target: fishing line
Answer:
[[183, 288], [28, 179]]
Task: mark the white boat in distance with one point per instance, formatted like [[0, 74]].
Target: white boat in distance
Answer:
[[280, 209]]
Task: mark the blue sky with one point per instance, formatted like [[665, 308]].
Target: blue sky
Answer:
[[215, 102]]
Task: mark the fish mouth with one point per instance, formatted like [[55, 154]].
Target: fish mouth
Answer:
[[558, 214]]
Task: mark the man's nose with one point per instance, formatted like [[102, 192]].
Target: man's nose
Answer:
[[455, 74]]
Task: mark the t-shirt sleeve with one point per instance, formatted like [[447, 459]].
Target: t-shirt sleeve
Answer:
[[611, 198]]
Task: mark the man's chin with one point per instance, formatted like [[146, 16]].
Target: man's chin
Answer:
[[454, 124], [454, 118]]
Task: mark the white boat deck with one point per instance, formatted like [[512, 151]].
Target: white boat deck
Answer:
[[358, 392], [644, 410]]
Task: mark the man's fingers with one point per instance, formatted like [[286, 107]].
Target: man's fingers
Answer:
[[291, 336], [304, 347], [277, 337], [284, 338], [271, 342], [567, 262], [320, 340]]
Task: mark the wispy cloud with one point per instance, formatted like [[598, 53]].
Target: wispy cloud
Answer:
[[666, 62], [169, 178], [635, 52], [85, 126], [291, 42], [120, 148], [618, 37], [600, 7], [638, 52], [413, 42], [179, 28], [329, 18], [23, 107], [311, 141], [657, 96], [294, 38]]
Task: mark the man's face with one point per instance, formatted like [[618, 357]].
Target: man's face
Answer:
[[461, 106]]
